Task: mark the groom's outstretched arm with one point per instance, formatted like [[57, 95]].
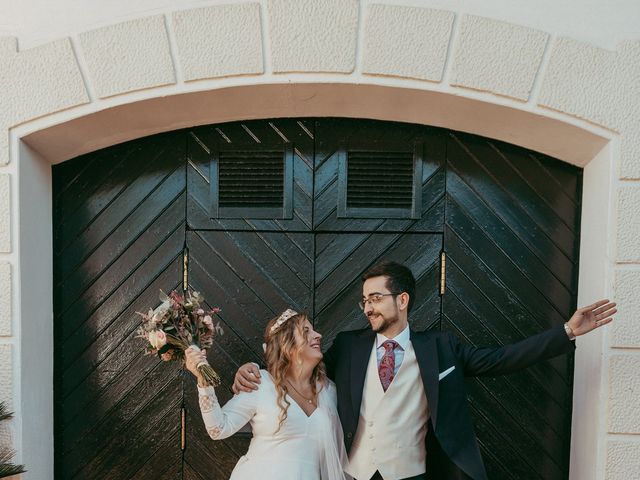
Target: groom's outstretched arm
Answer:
[[478, 361]]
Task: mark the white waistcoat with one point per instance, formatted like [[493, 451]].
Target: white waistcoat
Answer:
[[393, 424]]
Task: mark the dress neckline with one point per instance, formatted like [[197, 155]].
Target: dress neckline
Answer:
[[294, 400], [302, 409]]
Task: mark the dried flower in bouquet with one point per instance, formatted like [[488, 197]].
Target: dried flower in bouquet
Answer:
[[178, 323]]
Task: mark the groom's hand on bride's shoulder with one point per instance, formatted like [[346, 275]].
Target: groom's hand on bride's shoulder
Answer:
[[247, 378]]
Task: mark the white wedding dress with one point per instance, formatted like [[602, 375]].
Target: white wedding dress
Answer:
[[305, 447]]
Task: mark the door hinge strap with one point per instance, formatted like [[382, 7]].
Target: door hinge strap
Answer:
[[185, 269], [443, 271], [183, 431]]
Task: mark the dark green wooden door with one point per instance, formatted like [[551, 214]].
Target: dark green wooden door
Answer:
[[511, 237], [119, 233], [290, 212]]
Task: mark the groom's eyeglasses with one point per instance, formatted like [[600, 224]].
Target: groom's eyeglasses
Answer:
[[375, 299]]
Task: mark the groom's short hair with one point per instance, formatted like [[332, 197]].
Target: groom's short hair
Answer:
[[399, 278]]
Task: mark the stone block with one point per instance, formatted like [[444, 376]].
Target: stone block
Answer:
[[219, 41], [5, 213], [6, 437], [628, 224], [406, 41], [624, 391], [313, 36], [625, 330], [623, 460], [497, 57], [628, 99], [600, 86], [6, 375], [5, 299], [128, 56], [580, 80], [36, 82]]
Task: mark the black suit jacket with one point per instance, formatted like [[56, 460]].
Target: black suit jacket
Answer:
[[452, 449]]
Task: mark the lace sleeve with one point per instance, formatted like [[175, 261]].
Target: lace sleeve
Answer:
[[222, 422]]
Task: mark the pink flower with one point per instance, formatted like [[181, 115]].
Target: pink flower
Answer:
[[207, 320], [157, 339], [177, 300]]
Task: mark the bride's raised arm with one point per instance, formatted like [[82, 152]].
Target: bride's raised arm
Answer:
[[220, 422]]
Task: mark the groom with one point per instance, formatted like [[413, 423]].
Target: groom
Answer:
[[414, 422]]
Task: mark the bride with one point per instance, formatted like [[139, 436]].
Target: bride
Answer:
[[293, 415]]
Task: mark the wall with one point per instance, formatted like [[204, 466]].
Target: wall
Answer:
[[77, 77]]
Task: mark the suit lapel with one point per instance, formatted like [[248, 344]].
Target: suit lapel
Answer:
[[360, 353], [427, 356]]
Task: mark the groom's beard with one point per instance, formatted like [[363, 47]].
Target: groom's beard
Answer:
[[384, 324]]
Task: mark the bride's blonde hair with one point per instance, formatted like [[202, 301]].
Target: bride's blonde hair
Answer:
[[280, 351]]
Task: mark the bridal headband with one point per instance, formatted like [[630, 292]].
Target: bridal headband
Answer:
[[284, 316]]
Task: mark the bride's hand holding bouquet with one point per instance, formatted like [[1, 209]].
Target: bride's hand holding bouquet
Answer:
[[180, 325], [194, 357]]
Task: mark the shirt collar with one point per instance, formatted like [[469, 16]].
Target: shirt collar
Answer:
[[401, 339]]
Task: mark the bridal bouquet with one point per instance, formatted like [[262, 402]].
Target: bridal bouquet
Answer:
[[177, 324]]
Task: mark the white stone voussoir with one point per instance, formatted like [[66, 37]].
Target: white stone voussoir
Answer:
[[602, 87], [406, 41], [5, 299], [625, 331], [497, 57], [6, 375], [624, 390], [5, 213], [581, 80], [623, 460], [629, 107], [36, 82], [628, 222], [219, 41], [313, 36], [128, 56]]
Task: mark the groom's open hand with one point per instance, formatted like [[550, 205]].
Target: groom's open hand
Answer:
[[589, 318], [247, 378]]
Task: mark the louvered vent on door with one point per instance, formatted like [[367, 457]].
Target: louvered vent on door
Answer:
[[380, 183], [380, 180], [251, 178], [254, 182]]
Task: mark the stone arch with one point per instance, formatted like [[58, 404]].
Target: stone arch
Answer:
[[146, 117]]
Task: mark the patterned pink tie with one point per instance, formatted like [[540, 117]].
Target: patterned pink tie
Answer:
[[387, 364]]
